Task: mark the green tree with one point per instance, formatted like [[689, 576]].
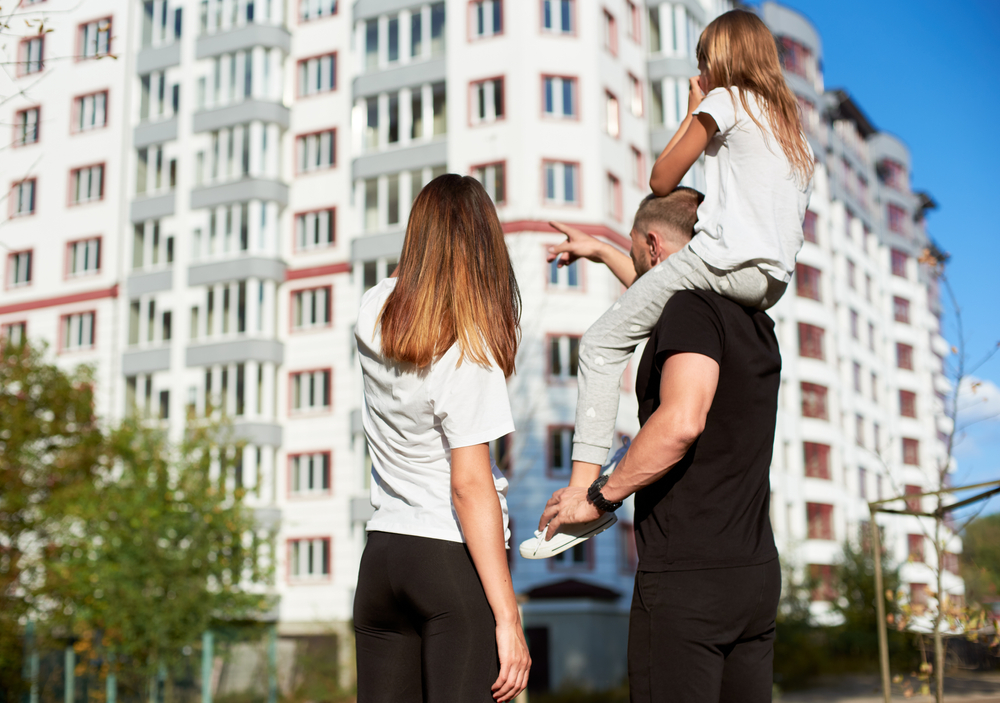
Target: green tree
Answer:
[[980, 566], [50, 444]]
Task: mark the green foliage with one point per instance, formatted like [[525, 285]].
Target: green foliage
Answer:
[[122, 542], [50, 445], [980, 565]]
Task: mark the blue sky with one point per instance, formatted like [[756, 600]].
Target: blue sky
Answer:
[[926, 71]]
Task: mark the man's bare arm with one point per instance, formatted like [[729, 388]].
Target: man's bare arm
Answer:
[[580, 245], [687, 389]]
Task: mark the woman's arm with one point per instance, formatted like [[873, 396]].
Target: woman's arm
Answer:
[[478, 508], [688, 143]]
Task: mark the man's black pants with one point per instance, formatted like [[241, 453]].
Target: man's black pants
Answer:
[[703, 636]]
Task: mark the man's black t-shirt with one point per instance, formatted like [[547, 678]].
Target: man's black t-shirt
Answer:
[[711, 509]]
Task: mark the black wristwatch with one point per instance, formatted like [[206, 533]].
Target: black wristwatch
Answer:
[[595, 498]]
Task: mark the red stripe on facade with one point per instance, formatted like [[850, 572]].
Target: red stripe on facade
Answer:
[[544, 227], [292, 274], [111, 292]]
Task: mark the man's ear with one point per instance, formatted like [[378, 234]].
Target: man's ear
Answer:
[[655, 245]]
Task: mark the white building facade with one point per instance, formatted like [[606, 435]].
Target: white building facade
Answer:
[[255, 161]]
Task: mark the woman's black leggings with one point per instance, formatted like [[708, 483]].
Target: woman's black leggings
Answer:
[[425, 631]]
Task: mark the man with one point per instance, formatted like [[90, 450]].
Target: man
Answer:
[[706, 593]]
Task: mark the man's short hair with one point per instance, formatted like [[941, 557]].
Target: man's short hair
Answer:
[[675, 214]]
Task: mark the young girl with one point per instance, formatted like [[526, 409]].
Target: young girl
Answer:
[[758, 167], [434, 612]]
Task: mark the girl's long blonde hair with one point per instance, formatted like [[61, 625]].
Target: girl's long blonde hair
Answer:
[[739, 52], [455, 281]]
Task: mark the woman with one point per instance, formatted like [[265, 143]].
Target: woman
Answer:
[[435, 615]]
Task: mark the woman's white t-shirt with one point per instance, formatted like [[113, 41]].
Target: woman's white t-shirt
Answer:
[[412, 418], [754, 205]]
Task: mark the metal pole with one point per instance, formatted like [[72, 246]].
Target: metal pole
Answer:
[[883, 637], [69, 675], [32, 663], [111, 689], [272, 665], [207, 658]]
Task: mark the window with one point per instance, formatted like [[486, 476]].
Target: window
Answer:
[[820, 517], [311, 308], [392, 28], [309, 473], [310, 390], [559, 451], [949, 560], [856, 369], [14, 333], [564, 356], [314, 229], [817, 460], [26, 126], [564, 276], [316, 151], [892, 173], [558, 16], [309, 559], [862, 486], [614, 196], [439, 107], [901, 309], [911, 452], [638, 168], [579, 558], [795, 57], [559, 98], [500, 452], [871, 336], [899, 260], [915, 548], [318, 75], [84, 256], [859, 430], [814, 401], [610, 33], [907, 403], [90, 111], [95, 38], [19, 269], [635, 95], [611, 114], [809, 227], [87, 184], [897, 219], [919, 595], [487, 102], [23, 197], [874, 387], [314, 9], [32, 56], [824, 588], [78, 331], [811, 341], [855, 331], [904, 356], [634, 21], [913, 502], [807, 283], [437, 29], [561, 183], [868, 288], [485, 18], [852, 270], [493, 178], [655, 38]]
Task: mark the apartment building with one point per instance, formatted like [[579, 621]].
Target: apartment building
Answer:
[[235, 181]]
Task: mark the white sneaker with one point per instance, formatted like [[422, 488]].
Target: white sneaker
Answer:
[[567, 537], [571, 535]]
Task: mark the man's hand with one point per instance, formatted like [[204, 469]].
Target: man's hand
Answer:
[[578, 245], [567, 506]]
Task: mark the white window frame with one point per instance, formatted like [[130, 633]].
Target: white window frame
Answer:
[[483, 16], [318, 75], [612, 119], [556, 87], [78, 331], [91, 111], [565, 344], [316, 9], [555, 180], [34, 56], [19, 269], [486, 105], [87, 184], [316, 151], [565, 277], [310, 474], [24, 197], [563, 435], [494, 179], [309, 559], [310, 387], [315, 229], [27, 126], [95, 38], [635, 95], [311, 308], [559, 14], [14, 332], [84, 256]]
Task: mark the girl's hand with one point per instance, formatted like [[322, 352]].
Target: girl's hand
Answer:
[[695, 94], [514, 662]]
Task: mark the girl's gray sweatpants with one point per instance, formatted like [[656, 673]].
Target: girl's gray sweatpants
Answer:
[[607, 346]]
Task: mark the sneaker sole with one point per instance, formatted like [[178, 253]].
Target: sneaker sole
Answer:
[[537, 548]]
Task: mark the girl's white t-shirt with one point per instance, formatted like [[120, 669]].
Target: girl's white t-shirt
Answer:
[[754, 205], [412, 418]]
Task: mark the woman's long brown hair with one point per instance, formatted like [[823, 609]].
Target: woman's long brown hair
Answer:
[[739, 51], [455, 281]]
